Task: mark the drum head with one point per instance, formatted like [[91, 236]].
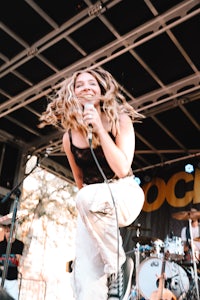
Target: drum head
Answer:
[[150, 269]]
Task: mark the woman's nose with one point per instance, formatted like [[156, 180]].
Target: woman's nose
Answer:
[[86, 87]]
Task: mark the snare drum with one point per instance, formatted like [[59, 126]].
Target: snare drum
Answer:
[[174, 247]]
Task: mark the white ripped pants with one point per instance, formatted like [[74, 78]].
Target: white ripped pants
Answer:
[[99, 250]]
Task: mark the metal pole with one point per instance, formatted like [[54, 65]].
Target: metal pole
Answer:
[[193, 259], [137, 263]]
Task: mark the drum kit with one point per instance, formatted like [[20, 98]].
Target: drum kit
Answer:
[[150, 255]]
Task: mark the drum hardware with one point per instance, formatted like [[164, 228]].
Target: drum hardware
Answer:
[[191, 295], [137, 263], [136, 252], [141, 244], [148, 246], [190, 215]]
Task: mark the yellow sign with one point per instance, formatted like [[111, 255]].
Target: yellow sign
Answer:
[[166, 191]]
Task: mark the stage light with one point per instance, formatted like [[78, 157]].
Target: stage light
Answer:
[[137, 179], [189, 168], [31, 163], [147, 178], [95, 9]]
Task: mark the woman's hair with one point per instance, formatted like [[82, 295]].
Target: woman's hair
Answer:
[[65, 109]]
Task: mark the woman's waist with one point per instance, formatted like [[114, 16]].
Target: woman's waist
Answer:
[[109, 177]]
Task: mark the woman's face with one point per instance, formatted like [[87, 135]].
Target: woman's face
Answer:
[[88, 87]]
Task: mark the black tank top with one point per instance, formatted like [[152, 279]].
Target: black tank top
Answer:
[[85, 161]]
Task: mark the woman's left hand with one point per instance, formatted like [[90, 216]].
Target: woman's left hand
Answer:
[[91, 117]]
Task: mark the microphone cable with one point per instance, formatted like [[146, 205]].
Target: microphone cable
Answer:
[[113, 200]]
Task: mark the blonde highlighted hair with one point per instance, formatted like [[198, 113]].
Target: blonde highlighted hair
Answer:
[[65, 109]]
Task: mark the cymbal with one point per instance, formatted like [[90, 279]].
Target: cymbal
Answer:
[[142, 239], [186, 215], [136, 227], [197, 239], [146, 240]]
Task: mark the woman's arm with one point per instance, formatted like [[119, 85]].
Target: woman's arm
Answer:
[[119, 154], [77, 172]]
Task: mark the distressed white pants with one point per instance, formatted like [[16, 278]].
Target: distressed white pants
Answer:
[[11, 287], [98, 242]]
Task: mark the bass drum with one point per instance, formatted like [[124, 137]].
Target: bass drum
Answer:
[[150, 269]]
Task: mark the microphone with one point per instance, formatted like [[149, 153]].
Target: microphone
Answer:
[[90, 133], [86, 106]]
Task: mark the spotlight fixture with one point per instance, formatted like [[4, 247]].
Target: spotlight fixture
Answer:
[[31, 163], [96, 9], [189, 168], [147, 178], [137, 179]]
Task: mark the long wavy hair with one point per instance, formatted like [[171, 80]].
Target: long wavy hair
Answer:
[[64, 108]]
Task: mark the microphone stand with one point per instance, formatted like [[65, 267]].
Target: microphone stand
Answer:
[[17, 192]]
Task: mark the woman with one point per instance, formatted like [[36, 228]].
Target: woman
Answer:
[[108, 196]]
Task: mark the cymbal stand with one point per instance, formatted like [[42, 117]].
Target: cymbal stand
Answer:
[[137, 263], [193, 260]]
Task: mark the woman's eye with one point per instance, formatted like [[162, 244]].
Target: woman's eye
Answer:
[[78, 86]]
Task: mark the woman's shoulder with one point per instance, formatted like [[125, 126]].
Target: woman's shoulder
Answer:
[[125, 121], [123, 117], [67, 141], [66, 136]]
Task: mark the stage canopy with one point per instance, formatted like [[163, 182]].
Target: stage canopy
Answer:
[[151, 47]]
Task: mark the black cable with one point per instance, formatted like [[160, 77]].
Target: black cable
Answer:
[[107, 182]]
